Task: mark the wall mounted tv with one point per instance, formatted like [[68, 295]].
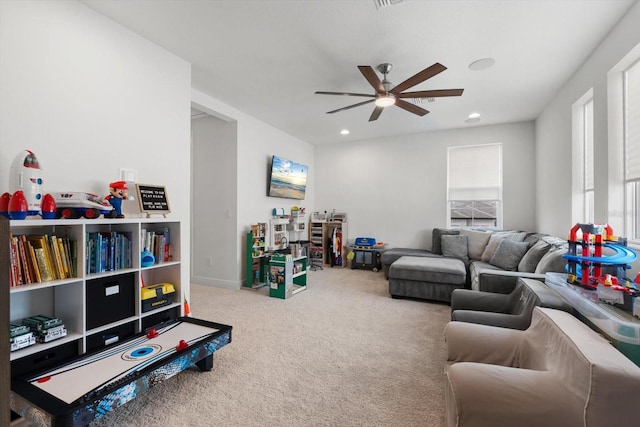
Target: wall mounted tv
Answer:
[[287, 179]]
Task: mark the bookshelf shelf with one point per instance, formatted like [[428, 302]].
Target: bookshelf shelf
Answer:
[[91, 304]]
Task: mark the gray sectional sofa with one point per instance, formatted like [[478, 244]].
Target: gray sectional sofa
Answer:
[[494, 260]]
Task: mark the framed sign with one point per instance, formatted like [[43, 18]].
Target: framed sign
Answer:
[[153, 199]]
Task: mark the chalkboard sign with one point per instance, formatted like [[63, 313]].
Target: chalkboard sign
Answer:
[[153, 199]]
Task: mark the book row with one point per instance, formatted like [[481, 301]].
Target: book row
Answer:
[[108, 251], [41, 258], [158, 243]]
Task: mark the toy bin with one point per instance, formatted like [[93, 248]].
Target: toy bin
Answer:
[[157, 296]]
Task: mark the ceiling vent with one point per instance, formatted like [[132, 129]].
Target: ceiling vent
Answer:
[[384, 3]]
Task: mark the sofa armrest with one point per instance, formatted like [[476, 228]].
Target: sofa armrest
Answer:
[[503, 282], [482, 395], [466, 299], [503, 320], [470, 342]]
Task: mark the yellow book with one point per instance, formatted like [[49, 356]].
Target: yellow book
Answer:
[[43, 255], [33, 260], [64, 258], [55, 254]]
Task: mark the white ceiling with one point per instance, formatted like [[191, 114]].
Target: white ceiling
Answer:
[[266, 58]]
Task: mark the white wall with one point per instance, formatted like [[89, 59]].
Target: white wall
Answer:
[[214, 202], [394, 189], [553, 136], [256, 143], [90, 97]]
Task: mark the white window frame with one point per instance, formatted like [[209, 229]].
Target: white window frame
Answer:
[[621, 198], [476, 204], [632, 186]]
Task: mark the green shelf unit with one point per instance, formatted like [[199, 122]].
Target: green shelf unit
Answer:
[[287, 275], [256, 256]]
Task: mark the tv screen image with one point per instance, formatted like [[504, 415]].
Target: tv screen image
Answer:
[[288, 179]]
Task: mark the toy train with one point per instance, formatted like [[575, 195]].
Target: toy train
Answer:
[[80, 204]]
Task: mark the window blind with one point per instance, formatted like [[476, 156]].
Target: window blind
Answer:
[[588, 146], [632, 122], [475, 172]]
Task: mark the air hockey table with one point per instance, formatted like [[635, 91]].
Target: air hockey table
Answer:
[[90, 386]]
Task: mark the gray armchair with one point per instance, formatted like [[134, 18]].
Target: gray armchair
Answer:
[[512, 310]]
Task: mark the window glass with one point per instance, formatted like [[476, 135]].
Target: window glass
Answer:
[[631, 118], [474, 186]]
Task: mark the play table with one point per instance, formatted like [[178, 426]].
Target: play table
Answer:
[[89, 386]]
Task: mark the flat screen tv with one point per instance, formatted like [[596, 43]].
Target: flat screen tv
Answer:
[[287, 179]]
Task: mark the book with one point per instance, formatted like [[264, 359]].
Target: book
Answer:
[[33, 261], [43, 257], [63, 258], [26, 274], [13, 256], [56, 256], [45, 272]]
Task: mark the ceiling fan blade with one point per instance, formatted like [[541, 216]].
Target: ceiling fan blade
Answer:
[[412, 108], [372, 78], [351, 106], [368, 95], [431, 93], [376, 113], [423, 75]]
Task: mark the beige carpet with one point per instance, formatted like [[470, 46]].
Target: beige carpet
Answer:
[[340, 353]]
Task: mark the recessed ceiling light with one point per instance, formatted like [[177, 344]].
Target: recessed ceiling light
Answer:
[[344, 132], [474, 115], [482, 64]]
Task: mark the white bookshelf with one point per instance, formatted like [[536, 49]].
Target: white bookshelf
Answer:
[[67, 299]]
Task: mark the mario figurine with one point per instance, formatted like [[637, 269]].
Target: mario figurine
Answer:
[[118, 191]]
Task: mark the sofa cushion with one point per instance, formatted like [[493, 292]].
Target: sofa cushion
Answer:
[[508, 254], [477, 241], [495, 239], [455, 247], [436, 238], [552, 261], [530, 260], [426, 269]]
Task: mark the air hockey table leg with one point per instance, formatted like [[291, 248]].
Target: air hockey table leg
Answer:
[[205, 364]]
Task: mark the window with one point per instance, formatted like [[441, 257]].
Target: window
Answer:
[[474, 186], [631, 138], [583, 160], [588, 178]]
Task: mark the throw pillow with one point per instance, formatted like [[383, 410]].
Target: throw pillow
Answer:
[[455, 246], [553, 261], [530, 260], [508, 254], [495, 240], [436, 238], [477, 241]]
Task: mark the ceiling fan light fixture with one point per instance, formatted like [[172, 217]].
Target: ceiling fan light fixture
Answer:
[[385, 100]]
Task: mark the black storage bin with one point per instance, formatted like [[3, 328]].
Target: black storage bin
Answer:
[[44, 359], [110, 336], [110, 299], [161, 317]]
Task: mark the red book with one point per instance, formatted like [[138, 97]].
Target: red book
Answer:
[[167, 250]]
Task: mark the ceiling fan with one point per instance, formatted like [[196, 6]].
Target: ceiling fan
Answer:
[[386, 94]]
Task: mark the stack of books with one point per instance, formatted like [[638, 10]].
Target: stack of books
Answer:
[[41, 258]]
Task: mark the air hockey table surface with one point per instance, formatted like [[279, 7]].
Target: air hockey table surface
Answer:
[[89, 386]]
